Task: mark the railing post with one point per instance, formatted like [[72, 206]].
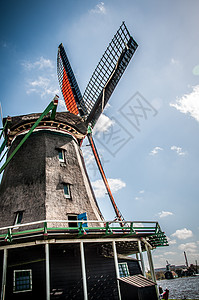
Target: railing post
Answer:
[[150, 260], [83, 271], [3, 289], [47, 272], [141, 258], [116, 268]]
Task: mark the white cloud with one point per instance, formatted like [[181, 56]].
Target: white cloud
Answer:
[[100, 190], [189, 103], [43, 86], [196, 70], [138, 225], [40, 64], [141, 192], [164, 214], [171, 242], [138, 197], [174, 61], [62, 105], [189, 247], [178, 150], [170, 253], [183, 234], [42, 78], [88, 156], [99, 9], [155, 150], [103, 124]]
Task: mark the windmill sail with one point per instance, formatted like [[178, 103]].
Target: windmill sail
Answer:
[[99, 89], [68, 84], [108, 72]]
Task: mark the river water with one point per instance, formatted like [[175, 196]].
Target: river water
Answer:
[[181, 288]]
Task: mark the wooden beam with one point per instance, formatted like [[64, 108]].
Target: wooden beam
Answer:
[[3, 289], [47, 272], [83, 271], [116, 268]]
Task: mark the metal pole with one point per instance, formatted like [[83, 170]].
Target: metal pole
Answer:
[[47, 272], [150, 259], [116, 268], [83, 271], [150, 263], [141, 258], [137, 256], [99, 164], [3, 290]]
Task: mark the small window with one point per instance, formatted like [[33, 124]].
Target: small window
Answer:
[[123, 269], [18, 218], [72, 218], [66, 190], [61, 155], [22, 281]]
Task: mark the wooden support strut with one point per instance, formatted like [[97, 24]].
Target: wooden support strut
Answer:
[[47, 271], [5, 255], [52, 106], [116, 268], [96, 155]]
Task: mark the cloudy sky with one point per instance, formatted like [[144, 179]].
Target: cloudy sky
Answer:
[[148, 135]]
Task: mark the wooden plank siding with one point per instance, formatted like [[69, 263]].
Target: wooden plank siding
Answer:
[[24, 259], [1, 268], [65, 271]]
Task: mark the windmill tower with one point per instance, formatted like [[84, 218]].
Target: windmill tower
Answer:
[[54, 242]]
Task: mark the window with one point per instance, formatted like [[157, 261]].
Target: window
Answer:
[[22, 281], [18, 218], [123, 269], [72, 218], [66, 190], [61, 155]]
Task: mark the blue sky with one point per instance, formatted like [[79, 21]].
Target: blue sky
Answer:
[[154, 174]]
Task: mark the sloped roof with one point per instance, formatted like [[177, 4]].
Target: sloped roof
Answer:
[[138, 281]]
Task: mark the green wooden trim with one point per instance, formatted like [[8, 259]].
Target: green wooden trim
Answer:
[[3, 129], [3, 145], [8, 237], [46, 111], [156, 240]]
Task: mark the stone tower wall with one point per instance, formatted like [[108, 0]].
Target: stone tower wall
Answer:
[[71, 172], [33, 182], [23, 183]]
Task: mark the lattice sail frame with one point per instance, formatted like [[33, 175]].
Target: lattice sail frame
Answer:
[[103, 81], [68, 84], [108, 72]]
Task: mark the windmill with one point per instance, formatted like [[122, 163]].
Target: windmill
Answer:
[[99, 89], [50, 223]]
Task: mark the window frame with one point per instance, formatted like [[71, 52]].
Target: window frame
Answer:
[[19, 215], [30, 281], [122, 272], [68, 194], [73, 224], [61, 151]]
